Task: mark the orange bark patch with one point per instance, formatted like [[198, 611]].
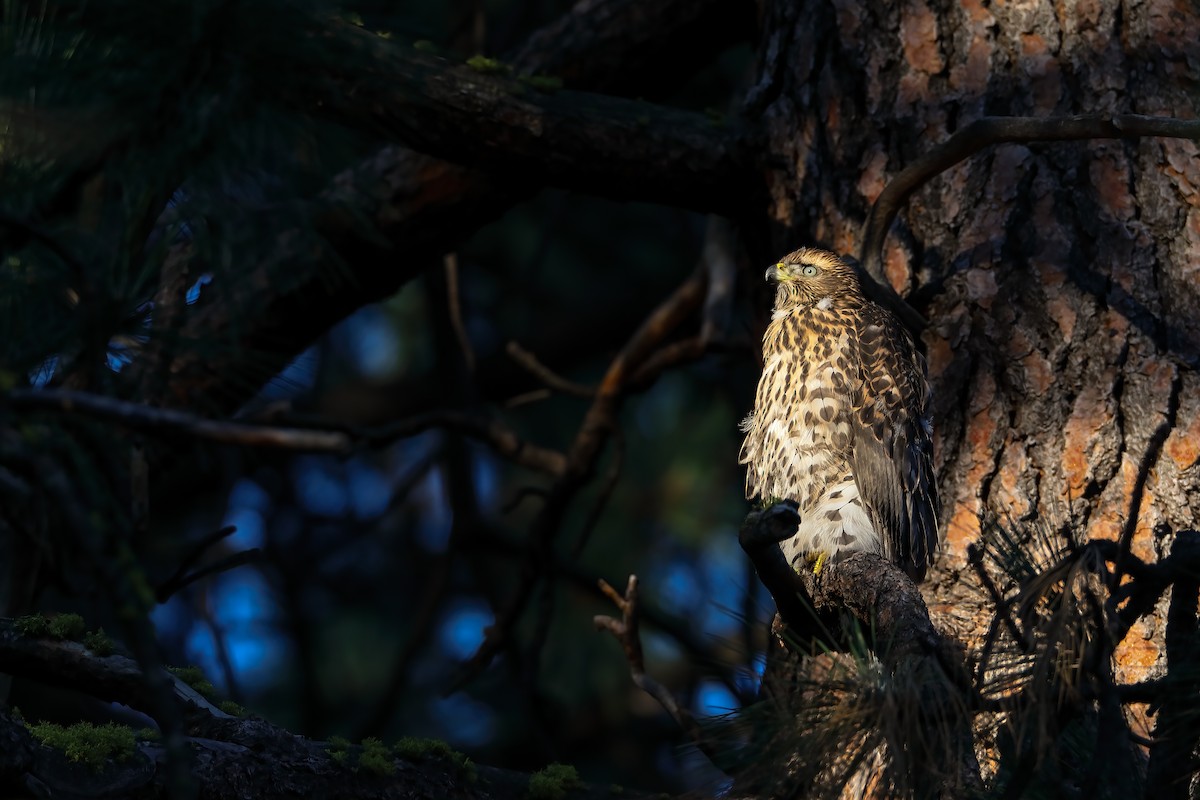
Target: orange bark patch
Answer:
[[1062, 314], [962, 530], [1183, 164], [1138, 654], [1110, 177], [938, 353], [919, 38], [1110, 515], [1183, 445], [1091, 412], [971, 76], [1013, 499], [873, 178], [981, 286], [912, 89], [895, 266]]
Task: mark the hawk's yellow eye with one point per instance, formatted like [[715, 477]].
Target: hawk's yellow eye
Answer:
[[809, 271]]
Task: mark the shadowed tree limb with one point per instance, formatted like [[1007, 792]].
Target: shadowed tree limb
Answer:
[[883, 601], [232, 757], [384, 219]]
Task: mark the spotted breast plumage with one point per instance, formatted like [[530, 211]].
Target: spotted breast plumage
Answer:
[[841, 420]]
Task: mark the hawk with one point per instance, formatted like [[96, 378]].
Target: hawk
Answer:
[[841, 420]]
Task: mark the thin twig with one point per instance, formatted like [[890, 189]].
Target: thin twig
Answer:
[[626, 631], [194, 555], [530, 363], [231, 561], [45, 238], [494, 433], [454, 302]]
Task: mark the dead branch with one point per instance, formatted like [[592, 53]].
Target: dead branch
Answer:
[[626, 631], [161, 420], [553, 380]]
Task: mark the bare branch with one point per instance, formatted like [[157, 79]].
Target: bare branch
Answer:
[[161, 420], [543, 373], [494, 433], [454, 301], [597, 426], [626, 631]]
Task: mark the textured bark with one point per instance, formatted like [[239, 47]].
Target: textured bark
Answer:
[[1058, 278]]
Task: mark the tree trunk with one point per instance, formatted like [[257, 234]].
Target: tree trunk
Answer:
[[1058, 277]]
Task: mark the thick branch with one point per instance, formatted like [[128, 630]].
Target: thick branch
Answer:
[[399, 198], [592, 143], [233, 757]]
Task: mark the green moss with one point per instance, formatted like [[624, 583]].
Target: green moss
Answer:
[[413, 748], [34, 626], [488, 66], [553, 782], [87, 743], [339, 750], [99, 642], [194, 678], [384, 34], [59, 626], [231, 708], [543, 83], [148, 734], [425, 46], [376, 758]]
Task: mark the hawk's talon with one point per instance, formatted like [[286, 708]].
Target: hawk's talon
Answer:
[[817, 560]]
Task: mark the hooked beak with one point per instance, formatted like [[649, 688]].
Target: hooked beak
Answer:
[[774, 273]]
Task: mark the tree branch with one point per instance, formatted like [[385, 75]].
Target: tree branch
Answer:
[[232, 757], [593, 143], [400, 199], [161, 420]]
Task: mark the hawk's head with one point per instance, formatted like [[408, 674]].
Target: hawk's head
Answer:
[[810, 276]]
